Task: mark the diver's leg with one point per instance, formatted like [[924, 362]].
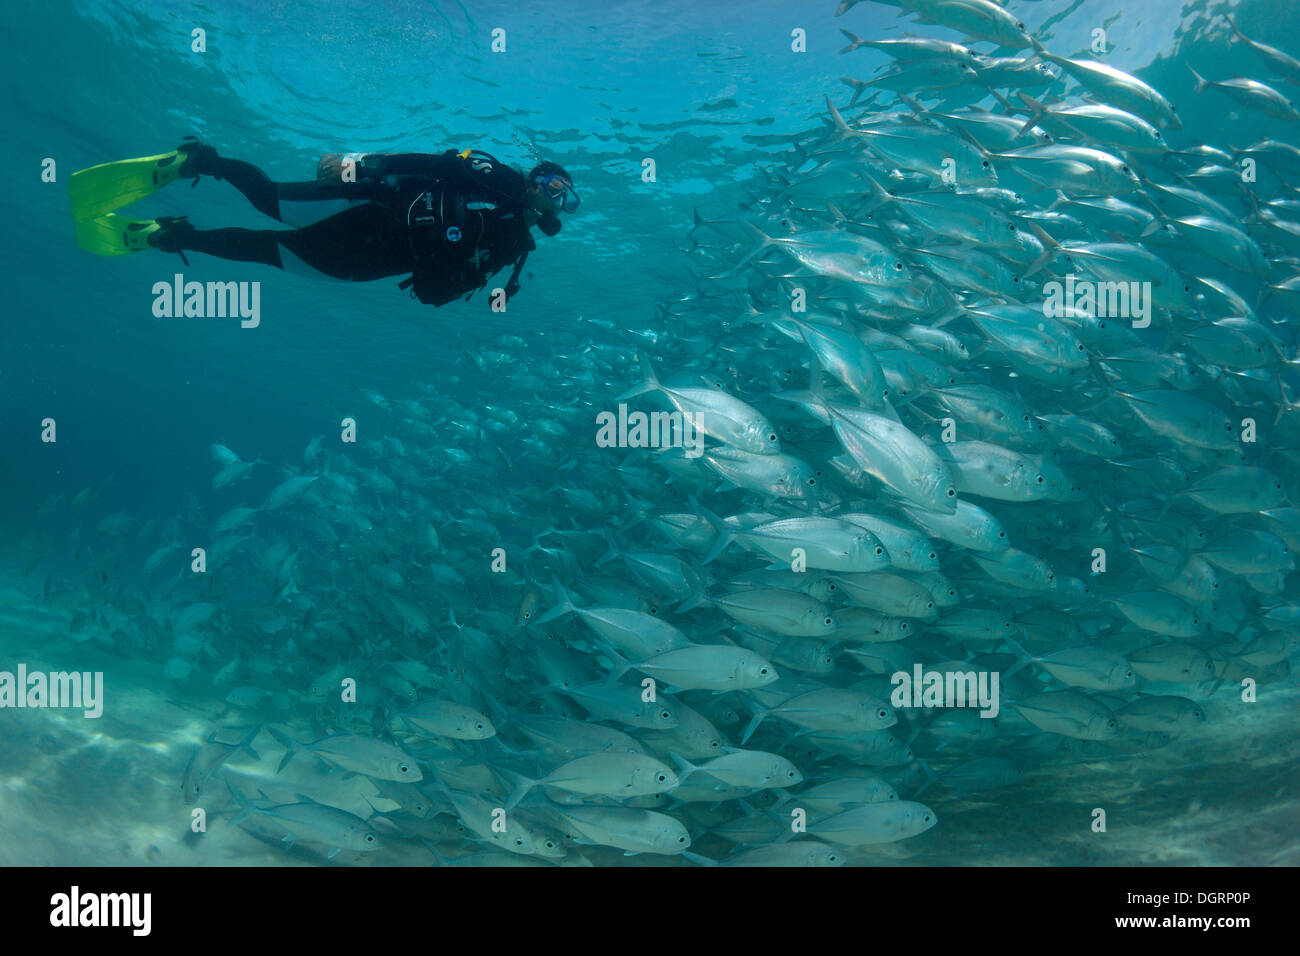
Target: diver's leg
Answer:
[[360, 244], [238, 245], [295, 204]]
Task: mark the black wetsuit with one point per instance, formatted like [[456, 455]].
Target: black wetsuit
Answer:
[[451, 221]]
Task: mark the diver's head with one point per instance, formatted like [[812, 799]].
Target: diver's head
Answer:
[[550, 191]]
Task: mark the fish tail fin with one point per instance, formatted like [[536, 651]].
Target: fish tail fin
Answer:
[[564, 604], [1201, 82], [685, 767], [912, 104], [1025, 658], [695, 857], [1036, 111], [931, 778], [1007, 106], [288, 743], [858, 87], [621, 665], [725, 535], [879, 194], [761, 713], [695, 214], [1051, 248], [522, 787], [613, 552], [840, 125], [855, 41], [246, 745], [764, 242], [649, 382], [245, 808]]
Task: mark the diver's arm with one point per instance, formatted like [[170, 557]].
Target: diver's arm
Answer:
[[379, 167]]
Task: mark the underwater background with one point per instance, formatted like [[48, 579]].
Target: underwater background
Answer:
[[715, 96]]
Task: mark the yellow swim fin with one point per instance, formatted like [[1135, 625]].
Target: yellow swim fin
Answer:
[[115, 235], [106, 188]]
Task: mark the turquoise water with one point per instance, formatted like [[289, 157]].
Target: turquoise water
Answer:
[[499, 452]]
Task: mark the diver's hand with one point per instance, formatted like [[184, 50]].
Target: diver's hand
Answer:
[[335, 168]]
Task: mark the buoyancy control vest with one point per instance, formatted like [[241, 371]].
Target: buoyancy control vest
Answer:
[[466, 226]]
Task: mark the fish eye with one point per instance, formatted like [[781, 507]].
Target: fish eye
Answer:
[[1038, 479], [1021, 27], [403, 768], [772, 437], [984, 163], [665, 714], [715, 744], [878, 551], [660, 778], [790, 774], [763, 671], [1110, 725], [882, 713], [1124, 168], [812, 481], [1011, 226], [1002, 534], [898, 266], [1158, 136], [1128, 675], [518, 842], [370, 838], [549, 844], [929, 606], [933, 556], [652, 609], [828, 620], [681, 839], [952, 492]]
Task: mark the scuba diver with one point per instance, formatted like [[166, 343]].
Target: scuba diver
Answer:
[[451, 221]]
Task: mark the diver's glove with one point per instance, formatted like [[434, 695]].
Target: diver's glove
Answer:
[[200, 160], [329, 171]]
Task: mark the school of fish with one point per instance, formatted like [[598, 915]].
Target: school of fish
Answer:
[[478, 636]]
